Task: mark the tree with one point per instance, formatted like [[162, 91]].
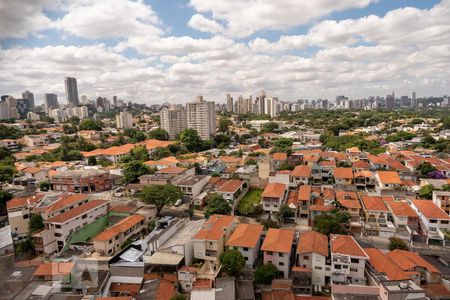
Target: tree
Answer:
[[160, 152], [133, 170], [139, 153], [190, 138], [160, 195], [265, 273], [285, 212], [269, 127], [222, 141], [232, 261], [224, 123], [135, 135], [217, 205], [7, 172], [92, 161], [44, 185], [426, 192], [159, 134], [178, 297], [331, 223], [397, 243], [446, 187], [90, 124], [36, 223], [269, 223], [425, 167], [284, 143], [5, 196]]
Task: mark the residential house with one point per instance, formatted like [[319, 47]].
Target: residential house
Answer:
[[33, 141], [191, 185], [304, 201], [404, 217], [273, 196], [246, 238], [442, 199], [348, 260], [65, 224], [277, 248], [343, 176], [300, 175], [376, 215], [11, 145], [233, 190], [365, 180], [434, 221], [350, 203], [279, 159], [210, 240], [112, 238], [312, 253], [19, 213], [387, 180], [83, 181]]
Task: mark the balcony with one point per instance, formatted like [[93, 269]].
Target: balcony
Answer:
[[211, 253]]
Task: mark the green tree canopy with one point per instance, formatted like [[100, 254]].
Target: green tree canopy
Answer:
[[426, 192], [190, 138], [217, 205], [397, 243], [425, 167], [224, 123], [160, 195], [159, 134], [5, 196], [331, 223], [265, 273], [160, 152], [133, 170], [36, 223], [134, 134], [90, 124], [232, 261]]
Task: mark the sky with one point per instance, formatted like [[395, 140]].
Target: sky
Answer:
[[155, 51]]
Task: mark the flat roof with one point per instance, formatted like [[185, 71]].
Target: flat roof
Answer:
[[163, 258]]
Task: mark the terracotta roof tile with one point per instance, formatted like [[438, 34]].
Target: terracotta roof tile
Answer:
[[313, 241], [301, 171], [383, 264], [389, 177], [401, 209], [430, 210], [213, 228], [373, 203], [245, 235], [408, 260], [279, 156], [304, 193], [278, 240], [76, 211], [343, 173], [274, 190], [231, 186], [121, 226], [21, 202], [54, 269], [345, 244]]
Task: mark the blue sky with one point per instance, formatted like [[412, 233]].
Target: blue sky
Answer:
[[153, 51]]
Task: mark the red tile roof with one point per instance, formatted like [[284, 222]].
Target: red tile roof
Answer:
[[343, 173], [21, 202], [304, 193], [313, 241], [430, 210], [66, 200], [278, 240], [279, 156], [120, 227], [213, 228], [389, 177], [345, 244], [301, 171], [274, 190], [383, 264], [231, 186], [373, 203], [245, 235], [77, 211], [401, 209], [54, 269], [408, 261]]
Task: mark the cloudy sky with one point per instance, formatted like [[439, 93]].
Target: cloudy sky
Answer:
[[160, 50]]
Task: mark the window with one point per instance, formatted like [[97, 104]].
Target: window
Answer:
[[245, 249], [353, 270], [338, 267], [269, 252], [433, 221], [306, 257], [355, 261], [84, 216], [110, 241], [444, 222], [318, 268], [281, 263], [280, 254], [345, 267]]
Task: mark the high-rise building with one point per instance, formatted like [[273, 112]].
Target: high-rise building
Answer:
[[230, 106], [84, 99], [124, 120], [201, 117], [71, 91], [413, 100], [173, 120], [240, 105], [390, 101], [50, 102], [8, 108], [29, 95], [23, 107]]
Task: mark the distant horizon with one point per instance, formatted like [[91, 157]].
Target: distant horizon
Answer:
[[150, 51]]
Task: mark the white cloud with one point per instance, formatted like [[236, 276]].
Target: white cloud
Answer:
[[201, 23], [18, 18], [108, 19], [243, 18]]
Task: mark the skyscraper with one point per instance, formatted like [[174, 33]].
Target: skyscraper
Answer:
[[50, 102], [29, 95], [413, 100], [390, 101], [173, 120], [201, 116], [71, 91], [230, 106], [8, 108]]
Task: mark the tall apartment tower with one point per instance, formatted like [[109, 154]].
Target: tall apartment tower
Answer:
[[413, 100], [50, 102], [29, 95], [173, 120], [201, 116], [390, 101], [230, 106], [8, 108], [124, 120], [71, 91]]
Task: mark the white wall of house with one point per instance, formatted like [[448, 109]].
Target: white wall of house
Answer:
[[280, 260]]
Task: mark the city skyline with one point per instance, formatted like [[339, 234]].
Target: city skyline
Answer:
[[174, 51]]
